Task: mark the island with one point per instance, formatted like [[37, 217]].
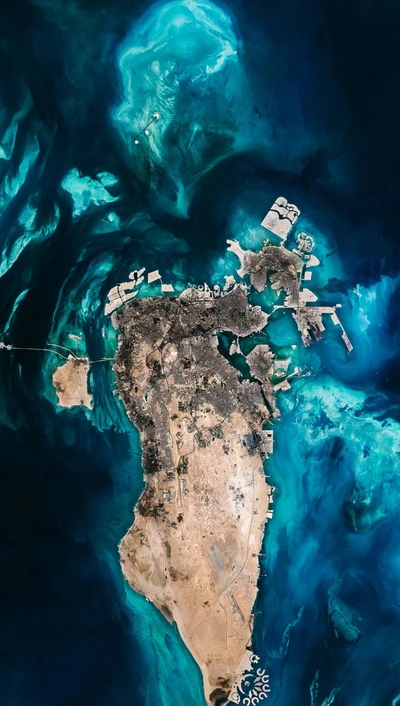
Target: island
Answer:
[[70, 382], [193, 548], [206, 430]]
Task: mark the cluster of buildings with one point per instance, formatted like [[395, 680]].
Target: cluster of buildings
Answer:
[[292, 271]]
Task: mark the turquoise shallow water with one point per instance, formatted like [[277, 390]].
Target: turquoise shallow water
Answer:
[[257, 100]]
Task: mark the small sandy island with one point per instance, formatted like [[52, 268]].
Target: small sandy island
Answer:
[[70, 383]]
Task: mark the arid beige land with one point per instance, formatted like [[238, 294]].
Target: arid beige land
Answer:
[[70, 383], [194, 545]]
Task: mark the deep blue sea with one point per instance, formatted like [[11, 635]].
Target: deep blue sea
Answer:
[[258, 98]]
